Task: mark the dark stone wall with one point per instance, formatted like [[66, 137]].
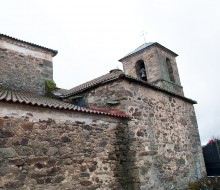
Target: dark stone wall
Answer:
[[211, 154], [24, 72]]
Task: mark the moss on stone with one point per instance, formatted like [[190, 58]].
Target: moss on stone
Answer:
[[49, 87]]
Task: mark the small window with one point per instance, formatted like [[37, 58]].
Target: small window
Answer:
[[78, 101], [140, 70], [170, 70]]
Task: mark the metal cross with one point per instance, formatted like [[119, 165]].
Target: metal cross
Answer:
[[143, 34]]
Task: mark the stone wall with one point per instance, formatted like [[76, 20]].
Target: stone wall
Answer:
[[169, 86], [51, 149], [158, 148], [20, 71], [164, 141]]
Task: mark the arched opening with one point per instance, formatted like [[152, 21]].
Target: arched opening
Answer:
[[170, 70], [141, 71]]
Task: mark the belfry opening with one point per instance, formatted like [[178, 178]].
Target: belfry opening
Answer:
[[141, 70]]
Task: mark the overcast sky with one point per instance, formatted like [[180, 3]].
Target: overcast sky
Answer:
[[91, 35]]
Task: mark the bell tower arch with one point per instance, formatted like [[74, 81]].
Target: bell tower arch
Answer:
[[141, 70]]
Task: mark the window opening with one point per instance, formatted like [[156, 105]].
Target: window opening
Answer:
[[78, 101], [170, 70], [141, 71]]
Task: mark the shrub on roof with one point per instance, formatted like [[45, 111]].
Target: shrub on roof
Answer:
[[50, 85]]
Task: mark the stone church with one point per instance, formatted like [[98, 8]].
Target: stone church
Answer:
[[126, 130]]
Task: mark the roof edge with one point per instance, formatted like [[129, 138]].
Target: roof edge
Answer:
[[148, 47], [75, 109], [53, 52], [90, 87]]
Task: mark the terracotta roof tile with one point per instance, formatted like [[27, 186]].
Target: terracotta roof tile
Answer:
[[97, 81], [37, 100]]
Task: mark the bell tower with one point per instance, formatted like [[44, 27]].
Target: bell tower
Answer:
[[155, 64]]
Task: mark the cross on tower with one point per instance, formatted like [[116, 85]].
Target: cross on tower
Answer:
[[143, 34]]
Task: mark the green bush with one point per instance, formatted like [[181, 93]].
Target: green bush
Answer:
[[49, 87], [194, 185]]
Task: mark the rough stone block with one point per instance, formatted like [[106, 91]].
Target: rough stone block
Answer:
[[47, 63], [85, 183], [8, 152]]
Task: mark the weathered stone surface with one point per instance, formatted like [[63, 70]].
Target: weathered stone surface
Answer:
[[65, 150], [7, 152], [58, 179], [24, 150], [24, 72], [62, 155], [51, 151], [92, 168], [39, 165], [8, 170], [65, 138], [17, 161], [27, 126], [6, 134], [103, 143], [162, 132], [85, 183], [1, 124]]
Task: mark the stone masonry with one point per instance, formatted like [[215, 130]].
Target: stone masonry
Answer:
[[52, 144], [49, 149], [24, 67], [164, 143]]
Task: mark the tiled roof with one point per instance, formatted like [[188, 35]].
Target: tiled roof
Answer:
[[97, 81], [61, 90], [147, 45], [112, 76], [54, 52], [29, 98]]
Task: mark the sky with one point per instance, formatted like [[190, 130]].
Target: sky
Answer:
[[91, 36]]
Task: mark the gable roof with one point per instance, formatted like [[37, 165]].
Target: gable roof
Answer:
[[92, 83], [146, 46], [54, 52], [113, 76], [33, 99]]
